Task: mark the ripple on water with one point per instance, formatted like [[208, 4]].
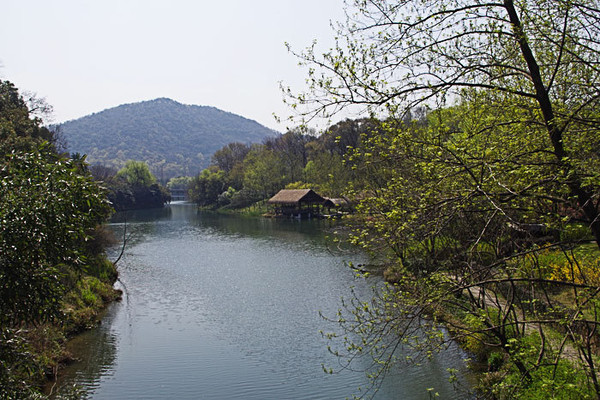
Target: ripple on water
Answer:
[[223, 308]]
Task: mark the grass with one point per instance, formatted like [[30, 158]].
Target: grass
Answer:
[[83, 304], [31, 354], [257, 209]]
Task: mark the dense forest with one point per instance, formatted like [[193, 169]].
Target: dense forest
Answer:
[[173, 139], [241, 174], [54, 275]]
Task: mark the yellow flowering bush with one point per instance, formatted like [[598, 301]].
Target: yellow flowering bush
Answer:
[[581, 268]]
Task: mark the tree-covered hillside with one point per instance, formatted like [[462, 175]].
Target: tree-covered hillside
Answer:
[[172, 138]]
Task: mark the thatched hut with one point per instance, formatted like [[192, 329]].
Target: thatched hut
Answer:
[[301, 203]]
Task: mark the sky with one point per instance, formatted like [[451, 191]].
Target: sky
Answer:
[[85, 56]]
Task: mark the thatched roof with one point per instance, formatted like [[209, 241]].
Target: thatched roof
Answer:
[[296, 196], [335, 202]]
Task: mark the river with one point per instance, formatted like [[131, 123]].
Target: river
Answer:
[[223, 307]]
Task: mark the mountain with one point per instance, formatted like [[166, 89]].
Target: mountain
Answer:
[[173, 138]]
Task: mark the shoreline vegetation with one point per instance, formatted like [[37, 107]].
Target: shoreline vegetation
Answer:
[[83, 308], [495, 376], [55, 277]]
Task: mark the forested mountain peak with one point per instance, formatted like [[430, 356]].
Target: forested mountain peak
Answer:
[[173, 138]]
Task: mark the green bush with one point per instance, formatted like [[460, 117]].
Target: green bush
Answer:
[[495, 361], [566, 382], [576, 233]]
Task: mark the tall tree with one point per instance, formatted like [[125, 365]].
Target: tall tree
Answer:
[[49, 208], [207, 186], [230, 155], [264, 173], [291, 148], [230, 159], [531, 55], [19, 128]]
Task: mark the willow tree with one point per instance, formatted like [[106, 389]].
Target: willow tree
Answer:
[[509, 151]]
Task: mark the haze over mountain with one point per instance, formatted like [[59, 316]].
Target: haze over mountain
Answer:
[[173, 138]]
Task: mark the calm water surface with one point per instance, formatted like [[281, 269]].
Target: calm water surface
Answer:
[[222, 307]]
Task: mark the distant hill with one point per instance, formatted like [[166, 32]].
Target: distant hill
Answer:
[[173, 138]]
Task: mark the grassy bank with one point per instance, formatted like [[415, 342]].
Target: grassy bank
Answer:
[[257, 209], [35, 353]]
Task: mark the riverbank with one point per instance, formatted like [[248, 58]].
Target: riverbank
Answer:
[[42, 348], [547, 350], [257, 209]]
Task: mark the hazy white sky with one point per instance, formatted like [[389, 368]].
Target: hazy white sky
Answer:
[[84, 56]]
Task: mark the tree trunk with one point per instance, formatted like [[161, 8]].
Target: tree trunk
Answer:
[[584, 197]]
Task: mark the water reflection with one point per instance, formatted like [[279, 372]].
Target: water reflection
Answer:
[[149, 215], [96, 354]]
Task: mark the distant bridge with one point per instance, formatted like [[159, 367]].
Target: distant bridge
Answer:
[[179, 194]]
